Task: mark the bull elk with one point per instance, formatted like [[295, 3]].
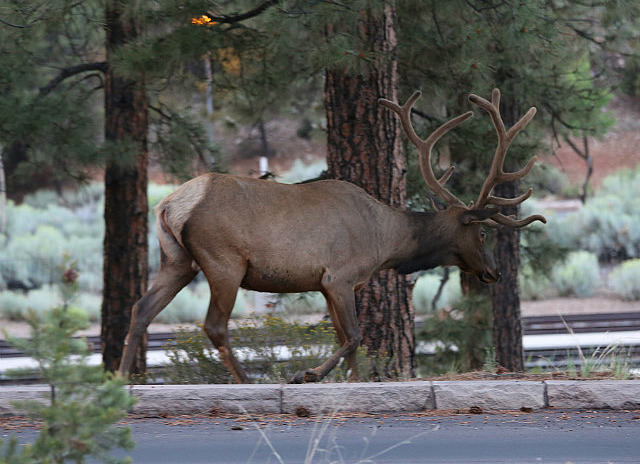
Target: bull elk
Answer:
[[327, 236]]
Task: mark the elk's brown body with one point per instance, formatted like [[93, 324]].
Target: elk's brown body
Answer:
[[327, 236]]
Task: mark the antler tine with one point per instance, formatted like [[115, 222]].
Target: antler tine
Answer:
[[445, 177], [500, 201], [510, 221], [424, 146], [505, 137]]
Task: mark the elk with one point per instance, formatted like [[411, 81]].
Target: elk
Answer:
[[327, 236]]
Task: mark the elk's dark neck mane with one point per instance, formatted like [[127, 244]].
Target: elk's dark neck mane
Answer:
[[429, 240]]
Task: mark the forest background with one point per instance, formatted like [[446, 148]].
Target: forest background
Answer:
[[100, 90]]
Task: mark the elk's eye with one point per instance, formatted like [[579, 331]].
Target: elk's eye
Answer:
[[483, 234]]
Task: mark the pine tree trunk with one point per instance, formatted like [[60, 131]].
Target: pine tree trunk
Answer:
[[505, 295], [364, 147], [126, 207]]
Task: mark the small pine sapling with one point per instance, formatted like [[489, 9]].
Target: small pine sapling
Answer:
[[84, 403]]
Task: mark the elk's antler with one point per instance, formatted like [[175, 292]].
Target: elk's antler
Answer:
[[497, 174], [424, 146]]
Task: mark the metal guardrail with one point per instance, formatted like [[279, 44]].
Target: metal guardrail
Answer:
[[156, 341], [581, 323], [536, 325]]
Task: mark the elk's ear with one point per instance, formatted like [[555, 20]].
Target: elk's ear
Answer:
[[473, 216]]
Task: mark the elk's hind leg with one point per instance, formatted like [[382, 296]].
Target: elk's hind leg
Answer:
[[172, 277], [342, 309]]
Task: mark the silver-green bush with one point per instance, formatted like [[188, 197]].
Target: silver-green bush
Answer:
[[426, 287], [13, 305], [578, 276], [609, 223], [535, 285], [625, 280]]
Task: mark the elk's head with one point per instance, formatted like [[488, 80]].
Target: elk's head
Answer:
[[465, 223]]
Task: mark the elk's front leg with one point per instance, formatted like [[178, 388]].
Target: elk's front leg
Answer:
[[223, 297], [342, 309]]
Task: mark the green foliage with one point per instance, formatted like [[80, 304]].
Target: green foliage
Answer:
[[609, 224], [535, 285], [48, 226], [189, 305], [578, 276], [529, 50], [20, 306], [540, 254], [271, 349], [298, 304], [13, 305], [625, 280], [460, 336], [306, 345], [56, 129], [84, 403], [427, 286], [33, 259], [193, 360]]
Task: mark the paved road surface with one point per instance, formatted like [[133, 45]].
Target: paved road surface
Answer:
[[540, 437]]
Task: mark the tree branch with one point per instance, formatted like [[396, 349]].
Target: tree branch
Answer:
[[29, 24], [65, 73], [242, 16]]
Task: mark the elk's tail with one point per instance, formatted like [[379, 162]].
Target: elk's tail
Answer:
[[171, 245]]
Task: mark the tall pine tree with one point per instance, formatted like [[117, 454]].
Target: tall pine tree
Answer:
[[363, 147]]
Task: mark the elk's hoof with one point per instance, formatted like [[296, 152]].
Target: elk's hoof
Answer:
[[305, 376]]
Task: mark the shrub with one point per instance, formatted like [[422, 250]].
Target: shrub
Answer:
[[297, 304], [13, 305], [426, 288], [461, 336], [47, 225], [609, 224], [578, 276], [156, 192], [41, 299], [535, 285], [191, 305], [79, 415], [264, 339], [187, 306], [91, 303], [17, 305], [193, 360], [625, 280], [33, 260]]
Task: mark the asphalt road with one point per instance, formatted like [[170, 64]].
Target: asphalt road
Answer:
[[539, 437]]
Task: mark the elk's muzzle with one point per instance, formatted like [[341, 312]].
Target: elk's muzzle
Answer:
[[490, 276]]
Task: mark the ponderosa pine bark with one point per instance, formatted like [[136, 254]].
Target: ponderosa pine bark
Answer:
[[505, 294], [364, 147], [126, 207]]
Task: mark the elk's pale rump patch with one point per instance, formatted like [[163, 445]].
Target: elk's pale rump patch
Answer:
[[178, 206]]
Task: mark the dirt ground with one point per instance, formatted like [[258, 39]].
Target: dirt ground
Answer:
[[568, 306]]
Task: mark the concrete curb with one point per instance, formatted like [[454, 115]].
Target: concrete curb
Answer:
[[412, 396]]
